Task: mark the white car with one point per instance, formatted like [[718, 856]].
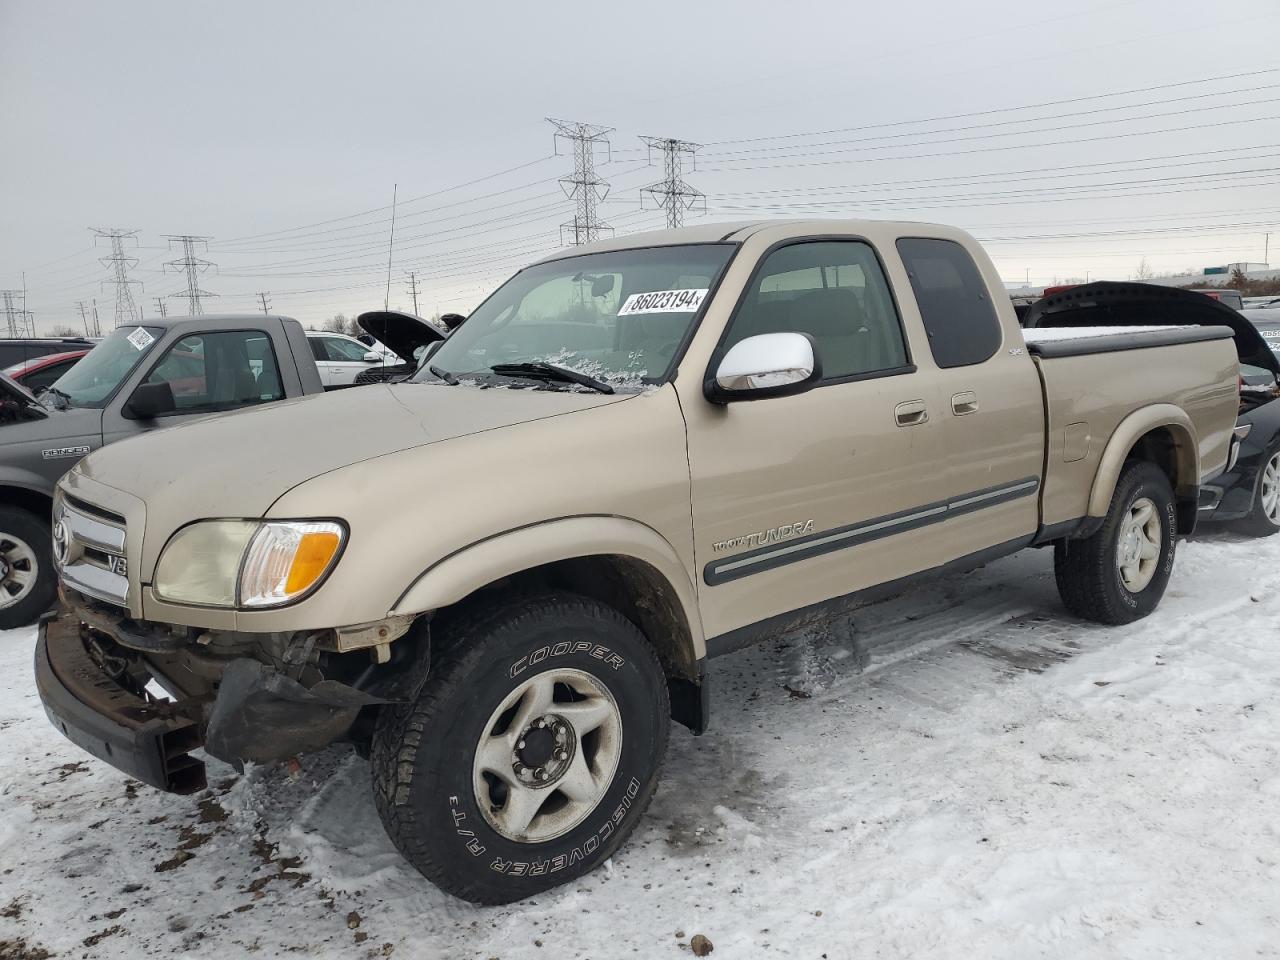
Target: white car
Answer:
[[340, 358]]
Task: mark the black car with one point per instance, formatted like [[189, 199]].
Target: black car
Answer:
[[1247, 494], [19, 349]]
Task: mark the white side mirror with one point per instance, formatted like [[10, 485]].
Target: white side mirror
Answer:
[[372, 357], [767, 365]]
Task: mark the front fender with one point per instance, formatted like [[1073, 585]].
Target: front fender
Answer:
[[467, 570], [1127, 434]]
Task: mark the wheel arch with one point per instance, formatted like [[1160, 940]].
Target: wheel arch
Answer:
[[35, 500], [614, 560], [1162, 434]]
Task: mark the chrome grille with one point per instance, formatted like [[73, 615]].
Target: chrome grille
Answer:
[[89, 552]]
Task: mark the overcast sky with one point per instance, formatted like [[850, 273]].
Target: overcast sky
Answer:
[[294, 121]]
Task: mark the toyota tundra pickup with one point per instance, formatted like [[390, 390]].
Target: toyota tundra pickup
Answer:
[[633, 456]]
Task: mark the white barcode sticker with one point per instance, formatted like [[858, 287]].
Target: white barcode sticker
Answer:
[[140, 339], [663, 301]]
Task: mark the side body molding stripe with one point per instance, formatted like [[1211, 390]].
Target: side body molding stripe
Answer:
[[767, 558]]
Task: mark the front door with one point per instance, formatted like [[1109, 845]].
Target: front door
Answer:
[[801, 499], [207, 372]]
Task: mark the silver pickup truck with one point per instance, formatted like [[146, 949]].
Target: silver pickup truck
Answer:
[[514, 567]]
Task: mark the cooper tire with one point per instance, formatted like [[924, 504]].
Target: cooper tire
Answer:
[[1091, 572], [28, 584], [426, 756], [1263, 519]]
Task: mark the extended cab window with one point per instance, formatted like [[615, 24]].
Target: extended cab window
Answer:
[[834, 291], [220, 371], [954, 304]]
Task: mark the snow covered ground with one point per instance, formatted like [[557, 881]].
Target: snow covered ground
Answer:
[[991, 780]]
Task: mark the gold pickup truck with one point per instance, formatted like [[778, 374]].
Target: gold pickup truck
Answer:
[[501, 578]]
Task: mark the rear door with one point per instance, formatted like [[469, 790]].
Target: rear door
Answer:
[[990, 404], [344, 359]]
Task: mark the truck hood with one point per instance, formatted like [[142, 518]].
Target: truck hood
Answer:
[[1108, 304], [403, 333], [238, 464]]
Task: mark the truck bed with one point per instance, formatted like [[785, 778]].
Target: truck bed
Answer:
[[1095, 377]]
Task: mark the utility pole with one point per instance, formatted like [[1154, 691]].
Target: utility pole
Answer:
[[1266, 246], [413, 290], [84, 317], [673, 193], [584, 188], [193, 266], [120, 264], [161, 306], [266, 307], [97, 327]]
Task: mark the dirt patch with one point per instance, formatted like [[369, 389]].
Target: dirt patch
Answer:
[[177, 860], [96, 938], [13, 909], [21, 950], [211, 811]]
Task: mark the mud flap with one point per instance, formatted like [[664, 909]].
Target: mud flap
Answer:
[[261, 716]]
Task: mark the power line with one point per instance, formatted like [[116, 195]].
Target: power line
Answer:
[[120, 263], [998, 110], [193, 266], [584, 187], [673, 194]]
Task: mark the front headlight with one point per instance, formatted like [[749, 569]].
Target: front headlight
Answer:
[[247, 563]]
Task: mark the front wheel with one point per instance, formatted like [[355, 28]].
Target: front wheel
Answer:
[[1263, 518], [530, 753], [28, 584], [1119, 573]]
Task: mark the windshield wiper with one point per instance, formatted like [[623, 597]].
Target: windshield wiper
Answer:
[[444, 375], [540, 370]]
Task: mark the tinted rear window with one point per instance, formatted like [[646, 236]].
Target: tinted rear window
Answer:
[[954, 303]]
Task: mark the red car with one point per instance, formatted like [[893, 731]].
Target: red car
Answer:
[[40, 372]]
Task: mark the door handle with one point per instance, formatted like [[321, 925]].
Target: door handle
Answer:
[[911, 413], [965, 403]]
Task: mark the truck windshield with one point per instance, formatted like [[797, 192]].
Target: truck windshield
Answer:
[[92, 381], [619, 317]]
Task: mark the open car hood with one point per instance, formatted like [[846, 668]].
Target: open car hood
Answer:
[[1109, 304], [402, 332]]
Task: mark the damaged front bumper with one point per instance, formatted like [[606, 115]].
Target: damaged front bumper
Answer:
[[254, 712]]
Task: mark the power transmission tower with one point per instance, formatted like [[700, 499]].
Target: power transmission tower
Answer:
[[584, 188], [266, 307], [161, 306], [193, 266], [673, 193], [413, 289], [15, 317], [120, 264]]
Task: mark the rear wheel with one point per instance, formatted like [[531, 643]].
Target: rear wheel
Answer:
[[27, 581], [1119, 573], [1264, 517], [531, 752]]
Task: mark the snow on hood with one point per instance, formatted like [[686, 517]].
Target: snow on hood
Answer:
[[238, 464]]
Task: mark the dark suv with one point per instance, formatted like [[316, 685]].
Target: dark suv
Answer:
[[22, 350]]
